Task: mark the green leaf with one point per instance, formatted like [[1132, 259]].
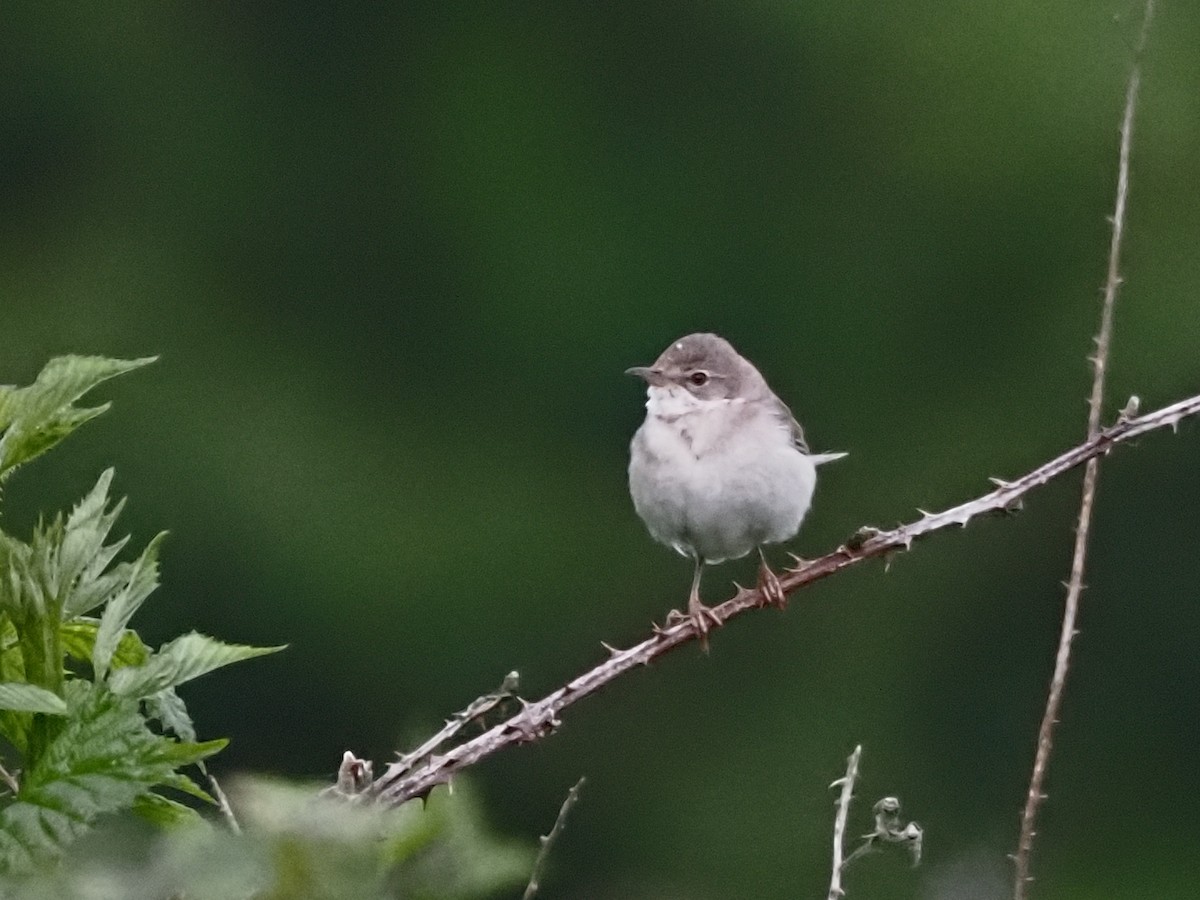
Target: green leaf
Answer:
[[164, 811], [21, 594], [14, 726], [102, 761], [30, 698], [35, 418], [143, 579], [179, 661], [168, 707], [185, 785], [83, 556], [79, 638], [186, 753]]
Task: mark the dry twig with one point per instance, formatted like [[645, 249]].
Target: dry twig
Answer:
[[889, 829], [223, 804], [846, 782], [1045, 742], [401, 782], [547, 840]]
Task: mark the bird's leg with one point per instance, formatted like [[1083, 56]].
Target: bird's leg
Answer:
[[702, 616], [768, 583]]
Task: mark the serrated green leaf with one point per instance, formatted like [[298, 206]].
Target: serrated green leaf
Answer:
[[186, 753], [23, 442], [91, 591], [78, 638], [143, 579], [186, 785], [165, 812], [82, 555], [179, 661], [35, 418], [20, 595], [168, 707], [30, 698], [101, 761]]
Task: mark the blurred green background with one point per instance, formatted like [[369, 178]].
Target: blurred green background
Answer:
[[395, 258]]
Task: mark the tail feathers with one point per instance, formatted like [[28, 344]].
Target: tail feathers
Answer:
[[819, 458]]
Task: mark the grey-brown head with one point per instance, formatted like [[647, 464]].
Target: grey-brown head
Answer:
[[707, 367]]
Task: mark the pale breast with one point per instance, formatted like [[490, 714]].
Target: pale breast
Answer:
[[717, 478]]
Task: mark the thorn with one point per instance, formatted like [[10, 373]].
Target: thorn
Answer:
[[1000, 482], [925, 514], [612, 651]]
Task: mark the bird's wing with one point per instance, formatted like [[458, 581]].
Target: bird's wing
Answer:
[[785, 416]]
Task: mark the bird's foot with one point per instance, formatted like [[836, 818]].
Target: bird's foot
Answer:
[[770, 587], [702, 618]]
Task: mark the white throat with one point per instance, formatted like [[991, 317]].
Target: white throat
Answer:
[[672, 402]]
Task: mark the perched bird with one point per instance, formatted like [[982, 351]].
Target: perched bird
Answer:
[[720, 466]]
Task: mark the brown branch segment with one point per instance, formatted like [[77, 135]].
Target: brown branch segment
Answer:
[[399, 783], [1062, 659]]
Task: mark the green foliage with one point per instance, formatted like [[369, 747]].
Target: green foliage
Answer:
[[298, 845], [35, 418], [89, 711]]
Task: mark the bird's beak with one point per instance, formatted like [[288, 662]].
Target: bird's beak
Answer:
[[651, 376]]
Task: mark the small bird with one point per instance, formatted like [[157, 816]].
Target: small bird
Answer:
[[720, 466]]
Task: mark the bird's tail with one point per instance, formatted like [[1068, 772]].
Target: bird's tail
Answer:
[[819, 458]]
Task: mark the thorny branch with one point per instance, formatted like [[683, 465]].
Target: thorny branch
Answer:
[[477, 709], [1045, 741], [402, 780]]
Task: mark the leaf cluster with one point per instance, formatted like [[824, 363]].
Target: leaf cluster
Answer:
[[90, 716], [297, 844]]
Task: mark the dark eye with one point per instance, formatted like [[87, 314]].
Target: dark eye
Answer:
[[698, 378]]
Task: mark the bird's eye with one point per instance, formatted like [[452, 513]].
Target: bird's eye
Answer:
[[698, 378]]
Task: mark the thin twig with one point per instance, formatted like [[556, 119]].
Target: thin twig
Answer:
[[476, 709], [537, 720], [1045, 742], [223, 804], [839, 823], [547, 840], [10, 781]]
